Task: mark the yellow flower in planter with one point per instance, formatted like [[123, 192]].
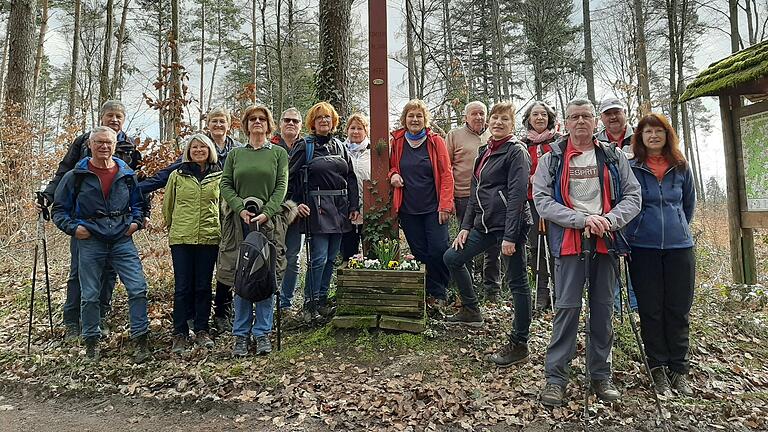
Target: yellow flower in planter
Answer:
[[393, 264]]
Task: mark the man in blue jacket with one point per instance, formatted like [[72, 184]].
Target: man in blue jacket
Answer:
[[112, 115], [99, 204]]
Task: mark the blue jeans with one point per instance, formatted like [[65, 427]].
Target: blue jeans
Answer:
[[192, 273], [617, 297], [293, 243], [93, 258], [245, 322], [323, 249], [72, 303], [517, 277], [428, 240]]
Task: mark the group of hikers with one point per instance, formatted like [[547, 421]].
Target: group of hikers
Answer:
[[625, 191]]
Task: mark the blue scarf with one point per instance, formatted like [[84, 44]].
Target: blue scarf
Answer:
[[417, 137]]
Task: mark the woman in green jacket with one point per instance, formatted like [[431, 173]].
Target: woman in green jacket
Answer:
[[191, 212]]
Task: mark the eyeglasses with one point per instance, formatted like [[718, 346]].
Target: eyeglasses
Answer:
[[291, 120], [103, 143], [259, 119], [576, 117], [323, 117]]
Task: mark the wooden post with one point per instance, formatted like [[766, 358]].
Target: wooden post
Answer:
[[727, 104], [377, 192]]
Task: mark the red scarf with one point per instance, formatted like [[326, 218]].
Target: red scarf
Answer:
[[493, 145], [571, 236]]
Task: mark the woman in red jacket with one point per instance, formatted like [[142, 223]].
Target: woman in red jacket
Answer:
[[423, 192]]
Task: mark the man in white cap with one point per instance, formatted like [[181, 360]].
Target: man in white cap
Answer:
[[616, 130]]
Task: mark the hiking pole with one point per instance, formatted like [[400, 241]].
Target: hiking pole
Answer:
[[550, 282], [587, 249], [42, 217], [614, 258], [539, 245]]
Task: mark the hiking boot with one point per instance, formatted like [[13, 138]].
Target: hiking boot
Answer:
[[325, 310], [142, 352], [263, 345], [190, 325], [241, 346], [680, 383], [92, 351], [492, 297], [203, 338], [553, 395], [222, 324], [71, 333], [104, 327], [179, 343], [605, 390], [510, 354], [660, 381], [310, 315], [466, 316]]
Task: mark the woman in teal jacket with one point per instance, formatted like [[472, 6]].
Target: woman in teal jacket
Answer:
[[663, 263], [191, 212]]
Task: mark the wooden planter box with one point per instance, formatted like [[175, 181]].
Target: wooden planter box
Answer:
[[389, 299]]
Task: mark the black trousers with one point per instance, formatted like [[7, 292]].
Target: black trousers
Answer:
[[350, 242], [663, 281]]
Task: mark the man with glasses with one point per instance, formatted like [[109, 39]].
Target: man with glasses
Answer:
[[112, 115], [583, 186], [290, 133], [99, 204]]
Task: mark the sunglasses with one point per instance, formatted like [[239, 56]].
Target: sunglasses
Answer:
[[259, 119], [291, 120]]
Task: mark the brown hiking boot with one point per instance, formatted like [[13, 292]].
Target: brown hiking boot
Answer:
[[510, 354], [660, 381], [92, 351], [466, 316], [553, 395], [680, 383], [142, 352], [605, 390]]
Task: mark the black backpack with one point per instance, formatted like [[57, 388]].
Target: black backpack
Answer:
[[255, 278]]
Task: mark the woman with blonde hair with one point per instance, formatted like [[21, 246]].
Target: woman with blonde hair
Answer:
[[420, 171], [358, 145], [257, 171], [323, 183], [191, 212]]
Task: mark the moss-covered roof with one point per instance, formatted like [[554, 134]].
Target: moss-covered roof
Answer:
[[738, 69]]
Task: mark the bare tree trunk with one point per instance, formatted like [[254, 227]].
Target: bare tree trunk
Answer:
[[176, 95], [4, 65], [332, 80], [279, 57], [750, 24], [589, 74], [642, 59], [410, 52], [21, 26], [447, 60], [671, 28], [117, 78], [733, 14], [254, 47], [498, 49], [161, 90], [72, 102], [40, 42], [216, 60], [267, 56], [202, 63], [422, 83], [104, 92], [289, 53]]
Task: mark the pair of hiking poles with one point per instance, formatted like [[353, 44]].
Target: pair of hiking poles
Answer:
[[588, 251], [542, 242], [41, 239]]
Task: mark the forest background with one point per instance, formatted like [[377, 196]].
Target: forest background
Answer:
[[171, 61]]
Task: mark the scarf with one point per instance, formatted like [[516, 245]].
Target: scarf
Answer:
[[416, 137], [493, 145], [356, 148], [537, 138], [571, 236]]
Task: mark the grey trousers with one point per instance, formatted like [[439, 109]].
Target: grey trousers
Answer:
[[569, 273]]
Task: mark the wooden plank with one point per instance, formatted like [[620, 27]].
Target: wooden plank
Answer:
[[412, 325], [415, 278], [355, 321], [378, 302], [346, 295], [385, 310], [730, 142], [349, 271], [754, 219], [393, 290]]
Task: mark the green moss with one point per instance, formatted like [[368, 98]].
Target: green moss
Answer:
[[737, 69]]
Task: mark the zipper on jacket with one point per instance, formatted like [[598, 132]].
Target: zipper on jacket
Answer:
[[661, 196], [477, 195]]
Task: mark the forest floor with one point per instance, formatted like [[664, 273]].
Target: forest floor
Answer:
[[328, 379]]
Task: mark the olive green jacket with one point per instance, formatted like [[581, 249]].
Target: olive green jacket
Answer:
[[191, 208]]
